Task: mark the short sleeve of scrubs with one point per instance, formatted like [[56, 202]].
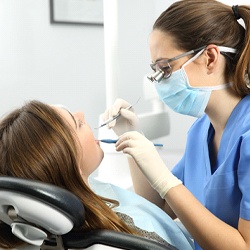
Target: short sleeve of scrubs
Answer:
[[244, 176]]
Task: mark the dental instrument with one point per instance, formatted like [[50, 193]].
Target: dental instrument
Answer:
[[114, 141], [116, 116]]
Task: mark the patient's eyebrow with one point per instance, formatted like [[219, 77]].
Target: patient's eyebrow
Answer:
[[73, 118]]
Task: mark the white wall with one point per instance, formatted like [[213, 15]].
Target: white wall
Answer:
[[235, 2], [53, 63]]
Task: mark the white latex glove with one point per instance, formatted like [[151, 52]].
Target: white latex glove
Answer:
[[128, 121], [149, 161]]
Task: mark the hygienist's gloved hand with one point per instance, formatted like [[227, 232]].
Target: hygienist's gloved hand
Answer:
[[149, 161], [128, 121]]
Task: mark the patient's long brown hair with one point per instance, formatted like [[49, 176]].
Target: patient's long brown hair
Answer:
[[36, 143]]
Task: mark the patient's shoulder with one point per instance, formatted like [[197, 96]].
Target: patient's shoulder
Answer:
[[144, 233]]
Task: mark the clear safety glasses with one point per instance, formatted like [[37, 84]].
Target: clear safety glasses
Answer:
[[162, 68]]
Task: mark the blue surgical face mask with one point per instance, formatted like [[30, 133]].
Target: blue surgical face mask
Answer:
[[177, 93]]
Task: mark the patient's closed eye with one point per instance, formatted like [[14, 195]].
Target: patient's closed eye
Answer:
[[80, 123]]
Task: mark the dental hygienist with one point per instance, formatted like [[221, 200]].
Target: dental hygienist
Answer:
[[201, 59]]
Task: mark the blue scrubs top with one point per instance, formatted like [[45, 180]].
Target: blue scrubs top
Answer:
[[225, 191]]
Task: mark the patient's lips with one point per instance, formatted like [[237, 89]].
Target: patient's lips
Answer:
[[97, 142]]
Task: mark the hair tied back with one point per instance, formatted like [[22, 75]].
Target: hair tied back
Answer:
[[236, 12]]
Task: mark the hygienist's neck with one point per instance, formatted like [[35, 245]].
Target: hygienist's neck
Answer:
[[221, 105]]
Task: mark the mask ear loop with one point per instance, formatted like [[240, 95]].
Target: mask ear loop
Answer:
[[222, 49], [193, 58], [227, 49], [184, 74]]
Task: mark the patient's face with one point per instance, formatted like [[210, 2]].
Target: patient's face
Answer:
[[92, 153]]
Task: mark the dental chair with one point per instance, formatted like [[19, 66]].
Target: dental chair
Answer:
[[45, 216]]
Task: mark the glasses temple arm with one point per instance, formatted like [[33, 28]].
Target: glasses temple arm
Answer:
[[185, 54]]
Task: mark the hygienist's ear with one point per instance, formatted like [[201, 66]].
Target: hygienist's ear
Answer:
[[212, 54]]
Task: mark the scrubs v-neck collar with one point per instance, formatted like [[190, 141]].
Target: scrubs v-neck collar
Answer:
[[226, 136]]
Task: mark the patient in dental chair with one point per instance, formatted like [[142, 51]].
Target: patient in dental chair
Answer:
[[52, 145]]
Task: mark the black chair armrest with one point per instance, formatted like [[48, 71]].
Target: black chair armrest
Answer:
[[111, 238]]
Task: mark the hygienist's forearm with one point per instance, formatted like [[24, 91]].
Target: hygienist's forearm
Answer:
[[209, 231], [144, 189]]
